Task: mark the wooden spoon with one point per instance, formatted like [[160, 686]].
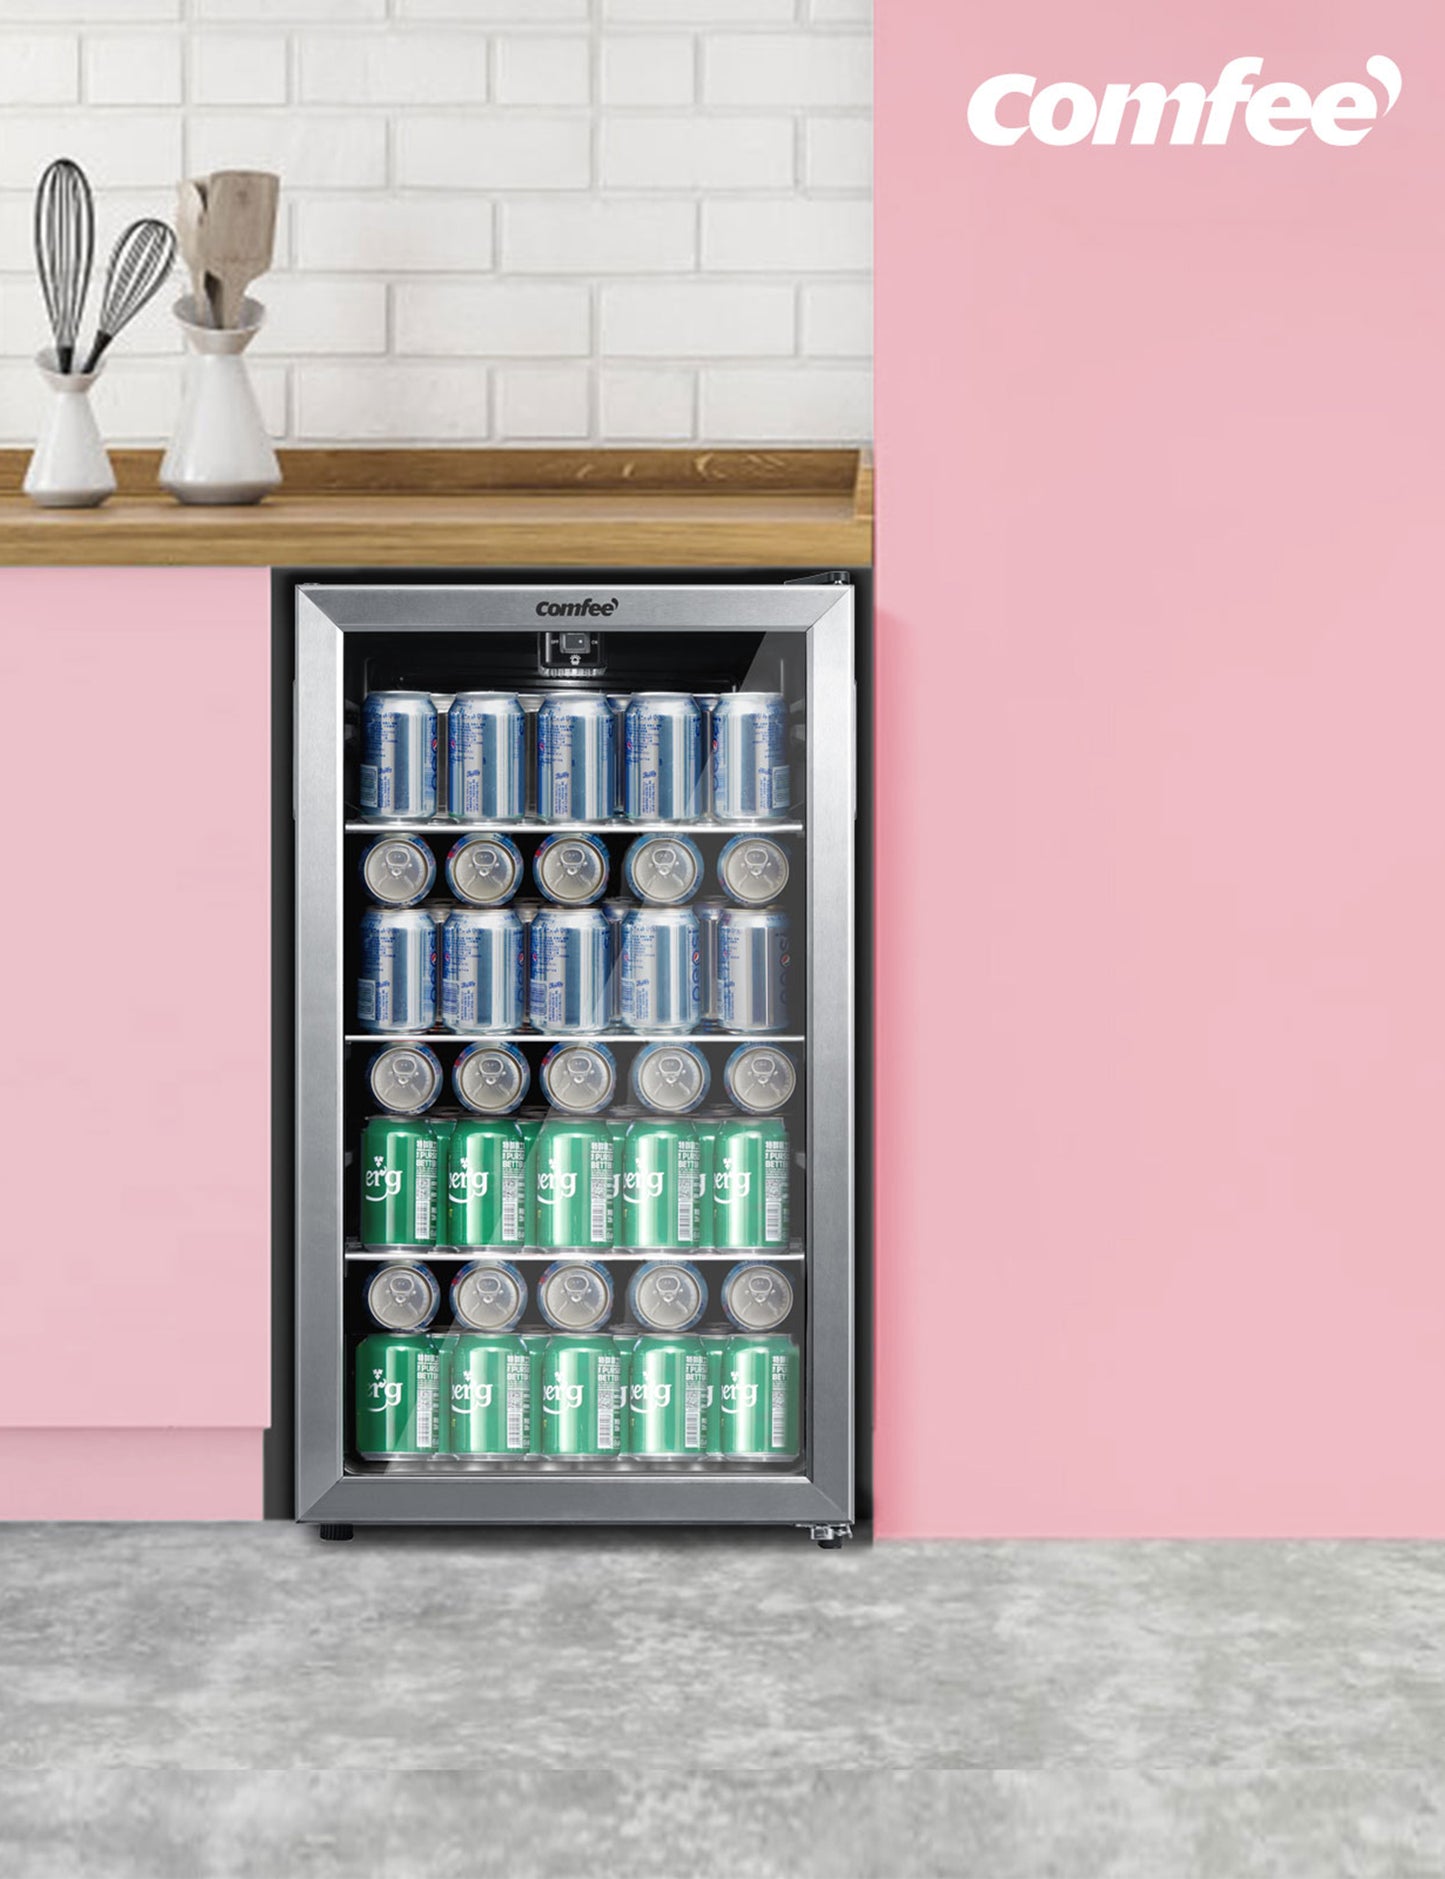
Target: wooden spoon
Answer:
[[191, 234], [239, 233]]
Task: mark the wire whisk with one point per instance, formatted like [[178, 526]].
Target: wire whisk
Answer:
[[64, 251], [139, 264]]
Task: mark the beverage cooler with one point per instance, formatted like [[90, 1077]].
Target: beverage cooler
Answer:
[[574, 1026]]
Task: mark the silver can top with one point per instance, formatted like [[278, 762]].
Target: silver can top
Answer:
[[670, 1078], [483, 870], [571, 870], [398, 870], [753, 870], [580, 1078], [402, 1298], [663, 870], [489, 1079], [575, 1297], [488, 1296], [757, 1298], [404, 1079], [667, 1297], [760, 1078]]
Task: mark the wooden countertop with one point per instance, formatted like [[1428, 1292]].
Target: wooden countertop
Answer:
[[474, 508]]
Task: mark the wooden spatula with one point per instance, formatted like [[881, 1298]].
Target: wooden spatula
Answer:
[[238, 232]]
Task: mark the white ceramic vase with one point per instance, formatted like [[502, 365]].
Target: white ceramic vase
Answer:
[[220, 452], [69, 468]]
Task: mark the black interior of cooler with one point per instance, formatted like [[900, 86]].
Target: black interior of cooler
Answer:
[[659, 661], [699, 662]]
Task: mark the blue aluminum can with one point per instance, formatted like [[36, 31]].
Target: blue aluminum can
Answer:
[[663, 767], [750, 774], [488, 1295], [397, 988], [572, 957], [571, 869], [760, 1078], [709, 912], [752, 969], [403, 1297], [579, 1079], [486, 765], [670, 1079], [753, 869], [398, 757], [398, 870], [484, 870], [490, 1079], [405, 1078], [482, 969], [661, 954], [576, 758], [667, 1295], [664, 869]]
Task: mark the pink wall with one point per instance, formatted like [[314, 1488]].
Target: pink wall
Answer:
[[1162, 1219], [135, 1091]]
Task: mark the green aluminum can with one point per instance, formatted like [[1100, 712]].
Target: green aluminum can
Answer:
[[657, 1205], [574, 1184], [705, 1128], [490, 1390], [486, 1183], [667, 1397], [398, 1183], [443, 1128], [713, 1346], [583, 1396], [400, 1389], [529, 1128], [750, 1184], [761, 1390]]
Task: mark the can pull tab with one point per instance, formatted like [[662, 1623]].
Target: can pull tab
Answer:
[[760, 1287], [403, 1287], [669, 1287], [576, 1285]]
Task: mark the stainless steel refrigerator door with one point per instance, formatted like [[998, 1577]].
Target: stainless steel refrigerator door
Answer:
[[824, 1492]]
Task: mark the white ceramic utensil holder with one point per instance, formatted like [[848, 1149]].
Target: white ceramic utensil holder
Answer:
[[69, 468], [220, 452]]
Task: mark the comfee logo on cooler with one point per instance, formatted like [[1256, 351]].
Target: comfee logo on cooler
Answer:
[[588, 609], [1008, 107]]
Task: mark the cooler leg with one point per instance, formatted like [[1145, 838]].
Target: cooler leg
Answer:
[[831, 1538], [335, 1530]]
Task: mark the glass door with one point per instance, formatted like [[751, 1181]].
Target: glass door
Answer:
[[574, 1223]]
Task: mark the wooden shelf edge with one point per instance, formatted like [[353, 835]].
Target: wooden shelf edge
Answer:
[[472, 508], [464, 471]]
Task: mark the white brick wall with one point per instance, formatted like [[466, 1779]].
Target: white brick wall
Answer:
[[503, 220]]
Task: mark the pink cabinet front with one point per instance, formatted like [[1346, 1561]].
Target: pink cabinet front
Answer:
[[1161, 953], [136, 947]]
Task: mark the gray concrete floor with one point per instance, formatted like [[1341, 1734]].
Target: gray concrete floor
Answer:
[[188, 1702]]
